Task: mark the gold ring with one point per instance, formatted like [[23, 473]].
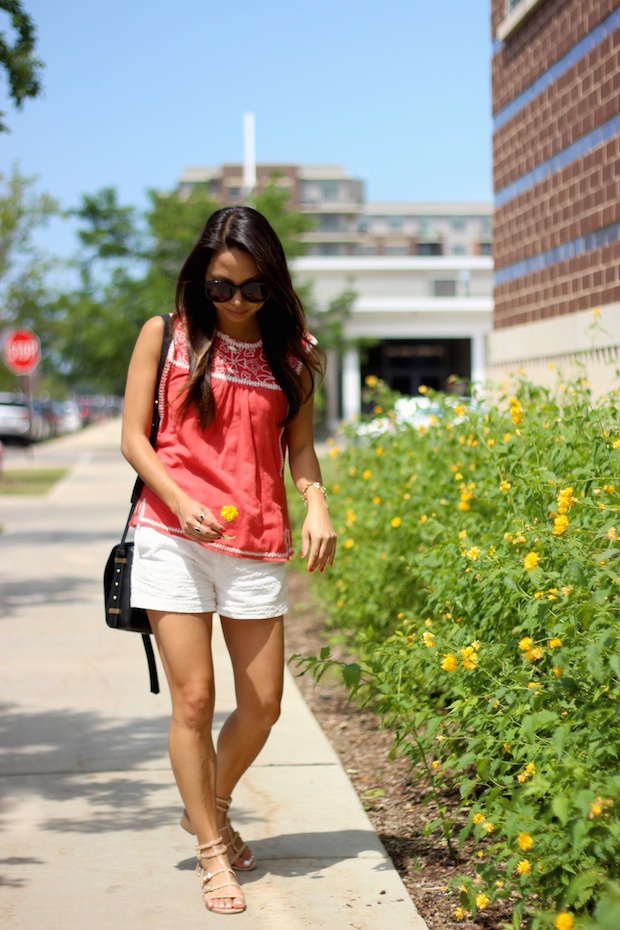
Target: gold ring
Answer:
[[198, 530], [201, 517]]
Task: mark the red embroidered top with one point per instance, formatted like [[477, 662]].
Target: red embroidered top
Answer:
[[238, 460]]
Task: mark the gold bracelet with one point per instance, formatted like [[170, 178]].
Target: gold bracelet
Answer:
[[312, 484]]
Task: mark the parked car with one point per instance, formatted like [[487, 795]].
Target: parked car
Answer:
[[21, 420], [69, 417]]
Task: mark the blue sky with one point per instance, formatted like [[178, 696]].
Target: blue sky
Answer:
[[397, 92]]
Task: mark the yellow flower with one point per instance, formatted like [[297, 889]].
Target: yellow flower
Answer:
[[558, 671], [596, 312], [435, 764], [516, 411], [528, 772], [530, 561], [525, 841], [564, 921], [351, 517], [376, 500], [380, 450], [366, 474], [524, 867], [481, 901], [423, 389], [423, 518], [560, 525], [428, 639], [555, 643], [596, 809], [458, 476], [534, 654], [349, 543], [463, 505], [505, 486], [612, 533], [473, 554], [428, 622], [396, 521], [565, 500], [449, 663], [610, 488], [460, 410], [488, 826], [333, 453], [490, 443], [539, 594], [478, 818], [371, 380], [460, 913], [229, 512], [507, 437], [525, 644]]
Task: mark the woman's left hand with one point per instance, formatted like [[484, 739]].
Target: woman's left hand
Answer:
[[318, 539]]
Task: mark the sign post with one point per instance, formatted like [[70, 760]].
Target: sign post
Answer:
[[21, 351]]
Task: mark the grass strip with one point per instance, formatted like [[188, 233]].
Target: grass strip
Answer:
[[30, 480]]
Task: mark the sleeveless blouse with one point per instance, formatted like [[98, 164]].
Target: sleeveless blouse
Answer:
[[237, 461]]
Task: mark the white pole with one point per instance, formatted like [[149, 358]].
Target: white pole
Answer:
[[249, 154]]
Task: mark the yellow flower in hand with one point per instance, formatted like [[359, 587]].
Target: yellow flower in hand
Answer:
[[229, 512]]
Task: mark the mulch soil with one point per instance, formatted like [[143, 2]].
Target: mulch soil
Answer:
[[395, 798]]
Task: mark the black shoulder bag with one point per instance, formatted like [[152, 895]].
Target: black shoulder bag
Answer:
[[119, 613]]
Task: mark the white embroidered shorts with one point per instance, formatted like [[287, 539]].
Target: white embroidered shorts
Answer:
[[172, 573]]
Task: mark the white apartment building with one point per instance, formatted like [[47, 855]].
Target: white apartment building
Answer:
[[422, 274]]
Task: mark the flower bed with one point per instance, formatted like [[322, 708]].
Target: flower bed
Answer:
[[478, 580]]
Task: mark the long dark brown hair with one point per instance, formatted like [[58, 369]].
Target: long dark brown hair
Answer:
[[281, 319]]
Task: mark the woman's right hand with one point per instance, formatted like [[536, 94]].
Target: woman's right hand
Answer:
[[198, 522]]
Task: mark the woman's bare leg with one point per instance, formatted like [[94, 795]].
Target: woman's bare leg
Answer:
[[184, 643], [256, 650]]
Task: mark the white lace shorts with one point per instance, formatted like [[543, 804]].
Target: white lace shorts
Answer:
[[172, 573]]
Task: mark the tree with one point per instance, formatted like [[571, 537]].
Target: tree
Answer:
[[22, 68], [23, 291]]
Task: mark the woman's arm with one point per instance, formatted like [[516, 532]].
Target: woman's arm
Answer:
[[318, 537], [135, 444]]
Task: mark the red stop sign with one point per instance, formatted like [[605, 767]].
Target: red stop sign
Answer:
[[21, 351]]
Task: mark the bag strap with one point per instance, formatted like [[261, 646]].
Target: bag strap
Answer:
[[150, 658]]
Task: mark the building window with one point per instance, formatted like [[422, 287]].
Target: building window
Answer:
[[395, 222], [459, 250], [330, 248], [234, 193], [329, 222], [458, 224], [396, 250], [365, 249], [429, 248], [329, 190], [362, 224], [445, 287], [485, 248]]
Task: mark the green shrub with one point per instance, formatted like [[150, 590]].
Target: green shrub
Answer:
[[478, 583]]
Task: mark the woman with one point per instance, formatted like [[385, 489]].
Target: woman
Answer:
[[212, 526]]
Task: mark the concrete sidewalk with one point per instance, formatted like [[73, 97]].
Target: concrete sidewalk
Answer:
[[89, 819]]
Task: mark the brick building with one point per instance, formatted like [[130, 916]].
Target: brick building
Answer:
[[556, 148]]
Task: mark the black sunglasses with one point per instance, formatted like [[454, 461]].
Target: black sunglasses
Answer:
[[221, 291]]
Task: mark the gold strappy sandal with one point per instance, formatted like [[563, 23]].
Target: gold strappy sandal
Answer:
[[230, 837], [218, 881]]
